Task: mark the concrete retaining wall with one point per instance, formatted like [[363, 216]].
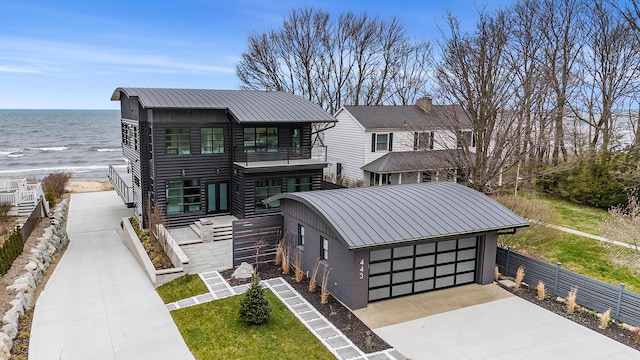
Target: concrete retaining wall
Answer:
[[157, 277]]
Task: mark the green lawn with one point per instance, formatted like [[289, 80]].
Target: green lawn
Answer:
[[577, 217], [181, 288], [214, 331]]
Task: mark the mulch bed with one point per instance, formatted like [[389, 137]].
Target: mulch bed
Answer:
[[339, 315], [582, 316]]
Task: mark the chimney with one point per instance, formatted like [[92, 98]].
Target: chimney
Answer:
[[424, 104]]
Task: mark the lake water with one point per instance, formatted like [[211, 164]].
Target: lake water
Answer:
[[35, 143]]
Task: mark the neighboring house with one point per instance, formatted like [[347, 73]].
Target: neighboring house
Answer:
[[380, 145], [385, 242], [197, 153], [21, 196]]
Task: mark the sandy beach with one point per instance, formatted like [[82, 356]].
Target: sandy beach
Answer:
[[80, 186]]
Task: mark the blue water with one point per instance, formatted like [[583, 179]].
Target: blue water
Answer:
[[34, 143]]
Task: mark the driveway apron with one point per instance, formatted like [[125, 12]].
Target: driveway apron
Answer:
[[98, 303], [505, 329]]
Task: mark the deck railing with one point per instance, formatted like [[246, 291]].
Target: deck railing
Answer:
[[255, 154], [123, 188], [16, 192]]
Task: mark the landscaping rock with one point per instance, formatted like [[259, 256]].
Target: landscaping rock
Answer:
[[6, 341], [244, 271], [11, 317], [18, 303], [11, 330]]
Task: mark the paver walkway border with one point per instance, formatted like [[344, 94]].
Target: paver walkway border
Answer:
[[322, 328]]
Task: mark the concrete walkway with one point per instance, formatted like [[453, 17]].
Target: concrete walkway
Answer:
[[98, 303], [584, 234]]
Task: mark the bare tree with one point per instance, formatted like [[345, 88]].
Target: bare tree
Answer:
[[354, 59], [562, 33], [475, 74]]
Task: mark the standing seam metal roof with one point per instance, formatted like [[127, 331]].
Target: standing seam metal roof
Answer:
[[370, 216], [245, 105]]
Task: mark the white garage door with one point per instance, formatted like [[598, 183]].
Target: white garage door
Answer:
[[418, 268]]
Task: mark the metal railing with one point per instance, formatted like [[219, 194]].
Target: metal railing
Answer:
[[123, 188], [258, 154]]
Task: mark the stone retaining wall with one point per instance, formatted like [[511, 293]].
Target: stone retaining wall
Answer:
[[53, 240]]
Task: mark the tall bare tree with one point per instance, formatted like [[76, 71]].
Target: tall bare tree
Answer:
[[562, 32], [474, 73], [611, 65], [352, 59]]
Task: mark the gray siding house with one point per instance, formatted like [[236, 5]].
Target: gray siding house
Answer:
[[197, 153], [391, 241]]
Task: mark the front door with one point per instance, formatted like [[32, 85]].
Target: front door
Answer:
[[217, 197]]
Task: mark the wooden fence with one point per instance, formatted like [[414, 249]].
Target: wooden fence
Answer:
[[593, 294], [31, 222], [256, 239]]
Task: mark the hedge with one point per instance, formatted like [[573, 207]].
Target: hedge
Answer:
[[10, 250]]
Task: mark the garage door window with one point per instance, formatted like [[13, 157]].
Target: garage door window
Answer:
[[423, 267]]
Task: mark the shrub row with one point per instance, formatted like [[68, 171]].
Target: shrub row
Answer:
[[10, 250]]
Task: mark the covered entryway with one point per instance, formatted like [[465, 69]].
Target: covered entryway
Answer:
[[419, 268]]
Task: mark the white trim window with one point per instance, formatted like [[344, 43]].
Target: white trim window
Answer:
[[381, 142]]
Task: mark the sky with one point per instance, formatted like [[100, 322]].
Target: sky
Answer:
[[67, 54]]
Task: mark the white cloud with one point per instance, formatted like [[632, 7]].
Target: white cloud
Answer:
[[22, 70]]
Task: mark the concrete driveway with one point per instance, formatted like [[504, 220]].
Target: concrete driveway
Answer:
[[98, 303], [506, 327]]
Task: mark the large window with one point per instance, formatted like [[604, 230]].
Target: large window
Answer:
[[265, 189], [466, 138], [423, 141], [381, 142], [324, 251], [299, 184], [261, 139], [300, 235], [177, 141], [183, 196], [296, 140], [211, 140]]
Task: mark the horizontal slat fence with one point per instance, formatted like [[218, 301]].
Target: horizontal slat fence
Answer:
[[593, 294], [256, 239]]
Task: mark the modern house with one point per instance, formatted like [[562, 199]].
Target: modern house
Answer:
[[391, 241], [198, 153], [381, 145]]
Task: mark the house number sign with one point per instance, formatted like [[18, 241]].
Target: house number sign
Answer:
[[361, 269]]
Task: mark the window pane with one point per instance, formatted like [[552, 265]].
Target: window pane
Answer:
[[383, 254], [382, 142], [403, 251], [380, 280]]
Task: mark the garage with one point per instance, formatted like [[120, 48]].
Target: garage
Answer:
[[373, 243], [418, 268]]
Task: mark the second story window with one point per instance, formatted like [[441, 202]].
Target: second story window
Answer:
[[177, 141], [423, 141], [296, 140], [381, 142], [466, 138], [211, 140], [261, 139]]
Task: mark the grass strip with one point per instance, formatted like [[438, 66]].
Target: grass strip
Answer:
[[214, 331]]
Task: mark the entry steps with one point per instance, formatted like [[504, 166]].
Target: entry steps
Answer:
[[214, 228]]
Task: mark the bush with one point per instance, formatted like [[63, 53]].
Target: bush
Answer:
[[50, 196], [5, 206], [10, 250], [255, 308], [601, 181], [56, 182]]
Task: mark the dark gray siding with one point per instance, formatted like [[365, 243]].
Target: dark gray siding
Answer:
[[204, 167], [285, 132], [487, 258], [344, 278]]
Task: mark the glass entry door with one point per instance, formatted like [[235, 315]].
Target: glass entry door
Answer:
[[217, 197]]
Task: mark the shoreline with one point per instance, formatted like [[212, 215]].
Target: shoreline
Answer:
[[81, 186]]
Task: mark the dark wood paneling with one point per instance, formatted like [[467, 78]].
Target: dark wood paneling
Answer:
[[256, 239]]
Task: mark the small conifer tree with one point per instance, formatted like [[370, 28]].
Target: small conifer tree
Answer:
[[255, 307]]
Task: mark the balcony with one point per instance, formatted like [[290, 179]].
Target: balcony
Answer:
[[122, 181], [21, 195], [268, 157]]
